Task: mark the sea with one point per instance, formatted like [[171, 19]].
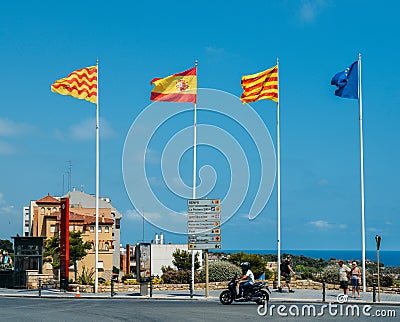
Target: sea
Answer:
[[386, 257]]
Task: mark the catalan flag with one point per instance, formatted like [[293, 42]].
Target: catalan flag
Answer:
[[81, 84], [181, 87], [260, 86]]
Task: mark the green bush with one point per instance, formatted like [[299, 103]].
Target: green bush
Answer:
[[86, 278], [257, 264], [330, 274], [126, 276], [179, 276], [386, 280], [219, 272]]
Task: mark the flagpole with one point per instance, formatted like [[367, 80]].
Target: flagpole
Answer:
[[194, 175], [361, 172], [278, 157], [97, 185]]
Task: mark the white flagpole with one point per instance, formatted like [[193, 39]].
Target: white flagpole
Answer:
[[97, 185], [278, 169], [361, 172], [194, 174]]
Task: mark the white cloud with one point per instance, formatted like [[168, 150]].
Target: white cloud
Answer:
[[214, 50], [152, 156], [155, 181], [6, 148], [160, 220], [323, 182], [323, 224], [5, 208], [320, 224], [86, 130], [12, 128], [9, 129], [310, 9], [134, 215]]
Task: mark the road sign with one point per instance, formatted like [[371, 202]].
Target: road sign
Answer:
[[204, 220], [199, 231], [203, 202], [205, 246], [204, 217], [204, 209], [204, 238], [203, 224]]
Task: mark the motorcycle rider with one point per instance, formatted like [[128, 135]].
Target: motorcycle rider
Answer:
[[247, 279]]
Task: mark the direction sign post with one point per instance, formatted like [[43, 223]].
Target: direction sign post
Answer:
[[204, 227]]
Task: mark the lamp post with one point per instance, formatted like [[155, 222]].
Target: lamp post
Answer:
[[378, 244]]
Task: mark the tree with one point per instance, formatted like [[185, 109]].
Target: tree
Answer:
[[183, 260], [257, 265], [6, 245], [77, 250]]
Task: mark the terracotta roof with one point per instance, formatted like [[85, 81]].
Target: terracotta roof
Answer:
[[48, 200], [86, 219]]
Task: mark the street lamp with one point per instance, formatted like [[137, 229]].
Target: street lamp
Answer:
[[378, 244]]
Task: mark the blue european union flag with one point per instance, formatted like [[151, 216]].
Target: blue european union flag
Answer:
[[347, 82]]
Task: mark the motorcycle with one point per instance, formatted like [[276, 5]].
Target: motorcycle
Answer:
[[253, 293]]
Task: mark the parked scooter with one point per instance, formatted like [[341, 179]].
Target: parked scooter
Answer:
[[253, 293]]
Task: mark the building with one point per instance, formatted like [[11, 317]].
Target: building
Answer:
[[43, 219], [85, 204], [161, 255]]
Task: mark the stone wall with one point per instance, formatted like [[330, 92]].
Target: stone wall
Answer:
[[47, 280], [300, 284]]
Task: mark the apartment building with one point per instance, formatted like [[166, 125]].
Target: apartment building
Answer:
[[43, 219]]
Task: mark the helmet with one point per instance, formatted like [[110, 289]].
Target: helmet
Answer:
[[245, 265]]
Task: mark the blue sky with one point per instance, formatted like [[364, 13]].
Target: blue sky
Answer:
[[135, 42]]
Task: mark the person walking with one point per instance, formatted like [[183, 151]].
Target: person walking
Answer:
[[287, 271], [355, 280], [343, 280]]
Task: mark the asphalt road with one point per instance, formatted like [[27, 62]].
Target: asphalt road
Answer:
[[49, 309]]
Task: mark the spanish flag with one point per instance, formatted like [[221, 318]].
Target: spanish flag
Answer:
[[81, 84], [260, 86], [181, 87]]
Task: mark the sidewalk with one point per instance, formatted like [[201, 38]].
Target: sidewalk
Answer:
[[300, 296]]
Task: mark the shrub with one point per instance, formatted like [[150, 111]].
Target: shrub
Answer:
[[179, 277], [131, 281], [86, 278], [330, 274], [158, 280], [386, 280], [126, 276], [219, 271], [257, 264]]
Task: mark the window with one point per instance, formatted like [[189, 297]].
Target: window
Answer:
[[106, 246], [91, 229], [71, 228], [54, 209], [117, 224], [42, 211], [99, 229], [53, 228], [106, 229]]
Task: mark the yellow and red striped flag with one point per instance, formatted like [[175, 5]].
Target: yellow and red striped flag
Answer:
[[260, 86], [81, 84], [180, 87]]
